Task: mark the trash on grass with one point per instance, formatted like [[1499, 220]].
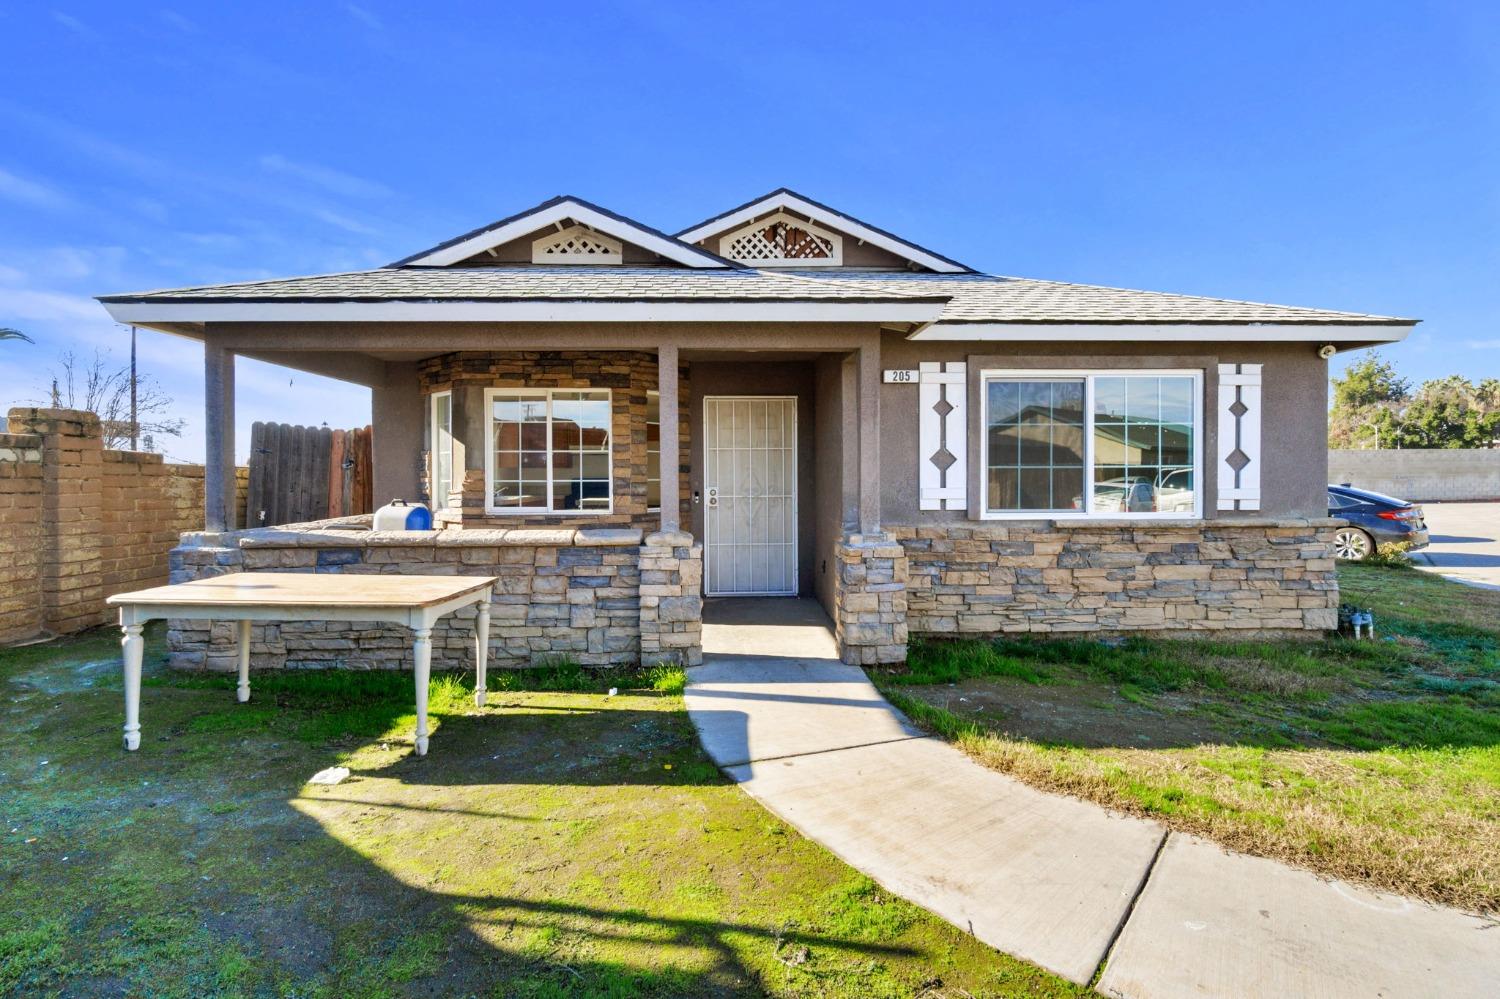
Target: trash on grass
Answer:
[[333, 775]]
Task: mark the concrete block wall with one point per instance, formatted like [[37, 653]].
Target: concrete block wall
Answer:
[[1427, 475], [79, 522], [21, 613]]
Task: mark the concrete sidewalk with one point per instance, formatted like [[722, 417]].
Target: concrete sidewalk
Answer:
[[1054, 880]]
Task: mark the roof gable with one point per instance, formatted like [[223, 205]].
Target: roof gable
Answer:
[[734, 221], [564, 210]]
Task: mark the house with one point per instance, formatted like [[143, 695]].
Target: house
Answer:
[[783, 399]]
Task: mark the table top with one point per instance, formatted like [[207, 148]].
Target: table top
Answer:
[[307, 589]]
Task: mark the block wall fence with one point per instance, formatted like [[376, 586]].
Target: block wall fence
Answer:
[[79, 522]]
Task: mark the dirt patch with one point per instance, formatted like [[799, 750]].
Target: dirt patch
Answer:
[[1090, 715]]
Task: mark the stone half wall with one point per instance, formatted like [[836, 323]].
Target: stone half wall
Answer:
[[1248, 576], [597, 597]]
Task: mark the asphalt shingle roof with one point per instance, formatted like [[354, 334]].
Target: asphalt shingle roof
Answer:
[[966, 298]]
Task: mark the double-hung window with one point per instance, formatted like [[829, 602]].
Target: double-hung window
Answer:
[[1078, 443], [549, 451], [440, 438]]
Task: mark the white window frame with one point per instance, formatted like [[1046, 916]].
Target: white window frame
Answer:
[[653, 472], [1088, 375], [489, 455], [439, 503]]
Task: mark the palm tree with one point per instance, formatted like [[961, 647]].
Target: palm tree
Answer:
[[6, 333]]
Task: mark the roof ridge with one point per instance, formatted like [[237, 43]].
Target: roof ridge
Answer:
[[237, 284]]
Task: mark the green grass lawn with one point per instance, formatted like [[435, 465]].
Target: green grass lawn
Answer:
[[1374, 761], [559, 842]]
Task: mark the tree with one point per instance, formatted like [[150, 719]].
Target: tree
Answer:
[[1365, 402], [6, 333], [103, 389]]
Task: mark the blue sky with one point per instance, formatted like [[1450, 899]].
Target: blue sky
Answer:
[[1344, 155]]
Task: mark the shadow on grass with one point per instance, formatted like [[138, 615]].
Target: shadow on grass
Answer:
[[202, 864]]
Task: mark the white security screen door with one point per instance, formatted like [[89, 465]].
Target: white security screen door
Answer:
[[750, 495]]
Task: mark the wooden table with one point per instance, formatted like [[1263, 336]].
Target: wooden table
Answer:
[[414, 601]]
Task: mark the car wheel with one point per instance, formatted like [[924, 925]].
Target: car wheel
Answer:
[[1352, 545]]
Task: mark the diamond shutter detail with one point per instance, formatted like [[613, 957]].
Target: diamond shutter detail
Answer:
[[942, 439], [576, 245], [1239, 437]]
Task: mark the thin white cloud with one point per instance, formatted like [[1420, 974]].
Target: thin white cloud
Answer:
[[177, 21], [30, 192], [364, 16], [29, 304], [342, 222], [1482, 344], [73, 24], [334, 181]]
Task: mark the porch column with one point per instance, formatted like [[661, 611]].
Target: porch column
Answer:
[[470, 440], [218, 458], [670, 457], [397, 417], [869, 438]]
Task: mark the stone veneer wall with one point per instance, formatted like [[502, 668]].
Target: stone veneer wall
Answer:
[[561, 594], [629, 375], [869, 593], [1239, 574]]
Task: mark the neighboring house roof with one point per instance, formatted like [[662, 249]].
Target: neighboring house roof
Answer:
[[785, 197]]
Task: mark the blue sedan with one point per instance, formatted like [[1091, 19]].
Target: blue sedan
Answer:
[[1374, 519]]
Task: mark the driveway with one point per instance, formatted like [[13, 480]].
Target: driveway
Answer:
[[1058, 881], [1465, 543]]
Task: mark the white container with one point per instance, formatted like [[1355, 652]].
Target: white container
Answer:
[[399, 515]]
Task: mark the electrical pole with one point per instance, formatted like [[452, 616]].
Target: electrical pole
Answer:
[[135, 427]]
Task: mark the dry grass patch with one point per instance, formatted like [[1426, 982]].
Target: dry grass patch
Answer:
[[1376, 762]]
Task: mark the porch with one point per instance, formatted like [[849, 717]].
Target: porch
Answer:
[[574, 455]]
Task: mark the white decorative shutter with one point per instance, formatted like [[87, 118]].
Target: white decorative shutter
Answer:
[[1239, 437], [942, 442]]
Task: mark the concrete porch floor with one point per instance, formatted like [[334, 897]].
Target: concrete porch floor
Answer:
[[795, 627]]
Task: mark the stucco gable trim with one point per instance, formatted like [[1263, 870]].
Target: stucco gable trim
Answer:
[[557, 210], [819, 213]]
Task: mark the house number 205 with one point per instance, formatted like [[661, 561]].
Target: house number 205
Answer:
[[900, 376]]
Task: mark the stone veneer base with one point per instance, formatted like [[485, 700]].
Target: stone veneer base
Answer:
[[596, 597]]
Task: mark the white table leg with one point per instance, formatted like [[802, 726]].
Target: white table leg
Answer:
[[422, 657], [481, 650], [242, 692], [134, 647]]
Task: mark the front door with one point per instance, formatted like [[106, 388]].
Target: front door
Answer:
[[750, 495]]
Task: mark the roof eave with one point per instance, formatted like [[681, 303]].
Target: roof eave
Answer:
[[1341, 333]]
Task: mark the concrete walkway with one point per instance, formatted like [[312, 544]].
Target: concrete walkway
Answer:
[[1051, 879], [1465, 543]]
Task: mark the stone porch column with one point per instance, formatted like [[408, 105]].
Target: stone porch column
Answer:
[[670, 432], [218, 458]]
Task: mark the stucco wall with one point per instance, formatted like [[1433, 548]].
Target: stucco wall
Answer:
[[1294, 407], [1420, 475]]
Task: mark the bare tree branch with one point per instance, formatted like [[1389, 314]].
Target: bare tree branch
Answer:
[[102, 389]]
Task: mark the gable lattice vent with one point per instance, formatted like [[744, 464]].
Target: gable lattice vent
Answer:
[[782, 241], [576, 245]]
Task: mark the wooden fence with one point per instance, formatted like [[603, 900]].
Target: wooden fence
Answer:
[[306, 473]]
